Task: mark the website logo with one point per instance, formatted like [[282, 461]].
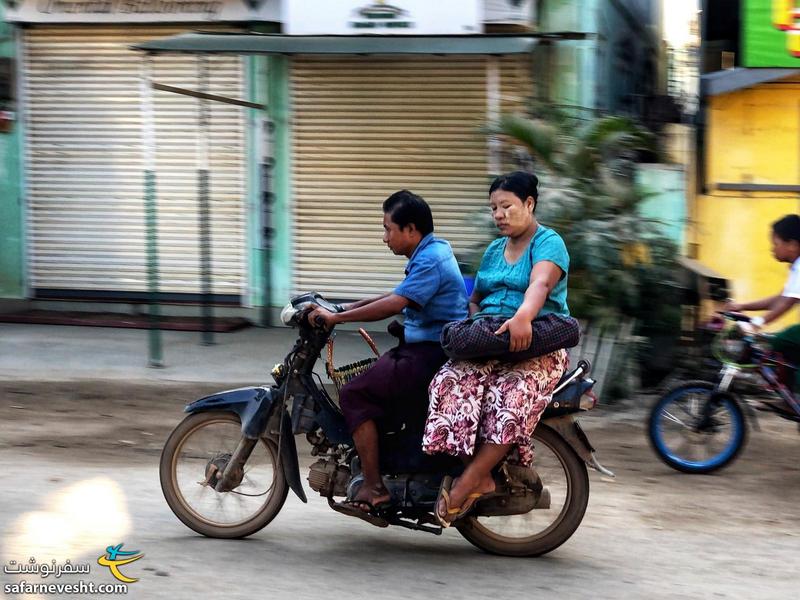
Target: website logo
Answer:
[[115, 557]]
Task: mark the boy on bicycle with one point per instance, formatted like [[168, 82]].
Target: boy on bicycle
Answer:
[[785, 248]]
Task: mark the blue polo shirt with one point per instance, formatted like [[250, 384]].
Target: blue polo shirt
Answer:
[[433, 281]]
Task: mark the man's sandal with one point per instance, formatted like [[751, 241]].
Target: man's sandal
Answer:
[[371, 515]]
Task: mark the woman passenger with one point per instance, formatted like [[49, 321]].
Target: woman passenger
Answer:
[[481, 411]]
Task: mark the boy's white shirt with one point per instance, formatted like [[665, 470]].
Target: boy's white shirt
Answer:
[[792, 287]]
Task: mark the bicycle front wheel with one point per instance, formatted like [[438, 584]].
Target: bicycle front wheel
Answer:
[[685, 439]]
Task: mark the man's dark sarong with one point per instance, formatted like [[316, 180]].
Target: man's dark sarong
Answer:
[[395, 388]]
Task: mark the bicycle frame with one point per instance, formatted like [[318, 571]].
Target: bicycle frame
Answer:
[[764, 365], [770, 376]]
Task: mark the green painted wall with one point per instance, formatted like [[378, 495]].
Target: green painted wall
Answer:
[[667, 184], [12, 248], [572, 85], [567, 15], [573, 64], [279, 111], [256, 92], [613, 66], [268, 139]]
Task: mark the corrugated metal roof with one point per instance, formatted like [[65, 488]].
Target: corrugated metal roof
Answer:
[[340, 44], [730, 80]]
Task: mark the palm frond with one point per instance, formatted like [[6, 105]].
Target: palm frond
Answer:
[[538, 137]]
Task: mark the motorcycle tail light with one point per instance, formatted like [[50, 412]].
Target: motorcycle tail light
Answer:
[[588, 400]]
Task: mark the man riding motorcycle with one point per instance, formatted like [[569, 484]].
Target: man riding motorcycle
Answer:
[[431, 295]]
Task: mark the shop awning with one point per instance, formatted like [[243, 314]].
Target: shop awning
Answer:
[[730, 80], [238, 43]]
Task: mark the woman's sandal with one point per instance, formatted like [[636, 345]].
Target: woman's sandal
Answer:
[[454, 512]]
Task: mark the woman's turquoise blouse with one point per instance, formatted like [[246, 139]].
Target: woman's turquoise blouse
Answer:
[[502, 286]]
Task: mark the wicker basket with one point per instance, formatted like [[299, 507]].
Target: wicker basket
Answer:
[[342, 375]]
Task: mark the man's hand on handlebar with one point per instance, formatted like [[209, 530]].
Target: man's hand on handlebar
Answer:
[[747, 325], [320, 317], [735, 316]]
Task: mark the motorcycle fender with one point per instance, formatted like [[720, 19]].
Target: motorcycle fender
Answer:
[[254, 407], [252, 404], [568, 428], [287, 451]]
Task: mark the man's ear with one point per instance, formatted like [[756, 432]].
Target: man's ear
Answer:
[[411, 228]]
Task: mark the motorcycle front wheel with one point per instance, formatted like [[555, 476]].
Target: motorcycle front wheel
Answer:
[[687, 438], [540, 530], [201, 446]]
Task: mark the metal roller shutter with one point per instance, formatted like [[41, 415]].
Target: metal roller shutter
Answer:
[[84, 164], [516, 86], [364, 128], [516, 93]]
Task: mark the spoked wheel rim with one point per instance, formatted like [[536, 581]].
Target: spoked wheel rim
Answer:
[[210, 442], [537, 524], [685, 437]]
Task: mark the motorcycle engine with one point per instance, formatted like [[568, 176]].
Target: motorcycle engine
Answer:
[[328, 478]]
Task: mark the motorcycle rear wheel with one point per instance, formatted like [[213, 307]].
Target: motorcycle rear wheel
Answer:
[[201, 439], [538, 532]]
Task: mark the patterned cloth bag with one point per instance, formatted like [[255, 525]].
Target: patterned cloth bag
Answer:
[[474, 338]]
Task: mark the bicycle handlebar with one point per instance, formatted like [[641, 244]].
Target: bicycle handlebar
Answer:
[[734, 316]]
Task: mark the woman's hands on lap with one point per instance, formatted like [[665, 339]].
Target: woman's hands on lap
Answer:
[[520, 330]]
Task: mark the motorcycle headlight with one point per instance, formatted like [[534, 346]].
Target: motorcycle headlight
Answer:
[[288, 313]]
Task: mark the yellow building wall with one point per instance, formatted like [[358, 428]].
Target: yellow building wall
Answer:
[[753, 136]]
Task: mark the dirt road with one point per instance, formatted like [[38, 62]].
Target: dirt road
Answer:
[[80, 473]]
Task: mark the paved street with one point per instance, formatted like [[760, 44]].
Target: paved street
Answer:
[[80, 465]]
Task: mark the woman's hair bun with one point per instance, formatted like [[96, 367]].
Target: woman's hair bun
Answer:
[[519, 183]]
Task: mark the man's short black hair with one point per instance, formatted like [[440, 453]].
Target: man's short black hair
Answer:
[[787, 228], [405, 207]]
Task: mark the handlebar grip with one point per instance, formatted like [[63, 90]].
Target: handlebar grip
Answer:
[[734, 316]]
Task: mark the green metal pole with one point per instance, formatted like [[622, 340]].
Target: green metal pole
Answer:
[[155, 357]]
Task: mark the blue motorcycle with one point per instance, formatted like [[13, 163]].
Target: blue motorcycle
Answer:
[[227, 468]]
